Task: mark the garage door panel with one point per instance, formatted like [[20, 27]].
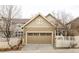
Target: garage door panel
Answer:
[[39, 38], [32, 39], [45, 39]]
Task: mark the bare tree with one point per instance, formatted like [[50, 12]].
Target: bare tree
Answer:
[[7, 13], [62, 16]]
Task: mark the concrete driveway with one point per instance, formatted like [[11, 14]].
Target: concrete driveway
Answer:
[[43, 48], [38, 47]]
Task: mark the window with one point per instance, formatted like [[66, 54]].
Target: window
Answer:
[[45, 34], [36, 34], [30, 34], [48, 34], [33, 34], [60, 31], [19, 34], [42, 34]]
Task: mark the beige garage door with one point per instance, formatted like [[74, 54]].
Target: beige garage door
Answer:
[[39, 38]]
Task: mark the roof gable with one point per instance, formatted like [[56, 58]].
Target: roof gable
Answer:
[[53, 19], [50, 15], [35, 18]]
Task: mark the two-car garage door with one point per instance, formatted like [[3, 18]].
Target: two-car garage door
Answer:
[[39, 38]]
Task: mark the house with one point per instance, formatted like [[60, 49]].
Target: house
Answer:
[[40, 30], [74, 26], [15, 26]]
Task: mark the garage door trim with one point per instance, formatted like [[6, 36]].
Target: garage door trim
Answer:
[[40, 32]]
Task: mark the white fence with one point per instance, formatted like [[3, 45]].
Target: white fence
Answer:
[[67, 41]]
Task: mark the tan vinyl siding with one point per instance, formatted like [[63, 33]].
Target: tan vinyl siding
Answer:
[[39, 29], [39, 22]]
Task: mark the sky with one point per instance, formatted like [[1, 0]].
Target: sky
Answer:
[[47, 6], [32, 7]]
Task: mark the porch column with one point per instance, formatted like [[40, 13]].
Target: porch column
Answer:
[[26, 39], [52, 39]]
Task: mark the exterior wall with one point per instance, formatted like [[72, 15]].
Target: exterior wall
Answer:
[[74, 26], [39, 29], [51, 19], [24, 38]]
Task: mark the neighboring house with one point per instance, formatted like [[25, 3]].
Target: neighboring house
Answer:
[[73, 31], [40, 30], [73, 26], [59, 25], [16, 26]]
